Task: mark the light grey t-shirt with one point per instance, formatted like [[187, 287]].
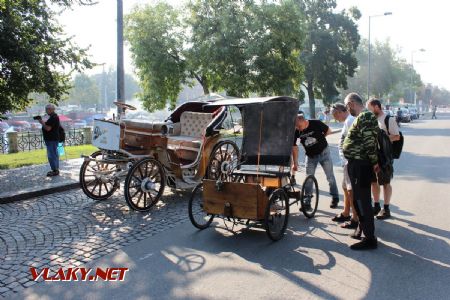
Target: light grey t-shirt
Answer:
[[393, 127]]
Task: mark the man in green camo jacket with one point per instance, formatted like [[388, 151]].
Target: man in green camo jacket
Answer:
[[360, 149]]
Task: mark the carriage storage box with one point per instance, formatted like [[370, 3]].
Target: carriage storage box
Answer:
[[106, 135], [235, 199]]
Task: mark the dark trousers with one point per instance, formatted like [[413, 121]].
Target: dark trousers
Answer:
[[361, 175]]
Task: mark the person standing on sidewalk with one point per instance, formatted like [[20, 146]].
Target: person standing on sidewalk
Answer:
[[434, 112], [360, 149], [312, 135], [50, 131], [341, 114], [383, 178]]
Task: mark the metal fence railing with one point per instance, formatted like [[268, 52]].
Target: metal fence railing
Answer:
[[33, 140]]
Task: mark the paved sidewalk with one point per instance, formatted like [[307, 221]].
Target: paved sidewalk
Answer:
[[31, 181]]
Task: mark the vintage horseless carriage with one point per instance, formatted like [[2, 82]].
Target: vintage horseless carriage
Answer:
[[178, 152], [260, 188]]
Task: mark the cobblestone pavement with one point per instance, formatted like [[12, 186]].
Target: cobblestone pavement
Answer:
[[33, 177], [69, 230]]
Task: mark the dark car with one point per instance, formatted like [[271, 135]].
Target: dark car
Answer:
[[403, 115], [413, 113]]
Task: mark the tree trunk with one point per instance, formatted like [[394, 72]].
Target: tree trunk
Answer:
[[204, 83], [312, 101]]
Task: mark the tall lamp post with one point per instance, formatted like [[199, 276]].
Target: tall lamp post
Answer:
[[388, 13], [411, 92], [120, 69]]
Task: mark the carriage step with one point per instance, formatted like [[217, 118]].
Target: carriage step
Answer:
[[294, 194]]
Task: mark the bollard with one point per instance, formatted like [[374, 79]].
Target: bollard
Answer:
[[13, 145], [87, 135]]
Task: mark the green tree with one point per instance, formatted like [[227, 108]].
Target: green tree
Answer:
[[329, 53], [84, 92], [34, 54], [240, 47]]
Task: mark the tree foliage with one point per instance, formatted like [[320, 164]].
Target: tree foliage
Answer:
[[329, 53], [391, 76], [84, 92], [35, 56], [240, 47]]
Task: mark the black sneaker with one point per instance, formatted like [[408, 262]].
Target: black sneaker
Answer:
[[341, 218], [376, 210], [365, 244], [53, 173], [356, 234], [352, 224], [334, 203], [306, 204], [384, 214]]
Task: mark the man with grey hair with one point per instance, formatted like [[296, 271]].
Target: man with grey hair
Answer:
[[360, 149], [340, 114], [50, 131]]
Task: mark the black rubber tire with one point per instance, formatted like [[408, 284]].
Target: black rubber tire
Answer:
[[133, 184], [198, 191], [309, 213], [214, 171], [278, 201], [86, 184]]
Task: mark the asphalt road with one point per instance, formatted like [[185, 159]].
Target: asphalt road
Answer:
[[313, 260]]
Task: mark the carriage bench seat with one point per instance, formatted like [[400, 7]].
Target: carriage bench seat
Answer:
[[193, 125]]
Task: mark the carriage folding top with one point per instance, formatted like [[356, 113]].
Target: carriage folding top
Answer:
[[269, 125]]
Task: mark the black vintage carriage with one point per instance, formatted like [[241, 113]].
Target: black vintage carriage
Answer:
[[261, 189]]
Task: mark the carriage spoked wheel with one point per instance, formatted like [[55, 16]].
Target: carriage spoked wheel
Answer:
[[144, 184], [277, 214], [223, 160], [309, 196], [199, 218], [97, 178]]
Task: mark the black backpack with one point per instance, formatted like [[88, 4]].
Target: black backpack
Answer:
[[61, 134], [397, 146], [384, 149]]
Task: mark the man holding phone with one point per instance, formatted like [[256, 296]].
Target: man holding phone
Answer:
[[50, 131]]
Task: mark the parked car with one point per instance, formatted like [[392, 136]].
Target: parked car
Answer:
[[79, 124], [414, 113], [20, 125], [389, 113], [403, 115], [35, 126]]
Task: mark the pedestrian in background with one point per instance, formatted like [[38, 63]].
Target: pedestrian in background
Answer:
[[341, 114], [386, 173], [360, 149], [434, 112], [50, 131]]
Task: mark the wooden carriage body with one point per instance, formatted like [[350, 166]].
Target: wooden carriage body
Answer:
[[268, 137]]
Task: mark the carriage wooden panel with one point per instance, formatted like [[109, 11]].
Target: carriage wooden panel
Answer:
[[240, 197]]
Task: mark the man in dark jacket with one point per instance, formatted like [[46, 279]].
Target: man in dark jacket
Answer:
[[50, 131]]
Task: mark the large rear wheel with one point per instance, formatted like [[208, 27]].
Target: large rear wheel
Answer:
[[97, 178], [144, 184], [224, 158]]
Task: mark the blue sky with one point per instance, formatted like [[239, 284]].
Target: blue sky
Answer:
[[412, 25]]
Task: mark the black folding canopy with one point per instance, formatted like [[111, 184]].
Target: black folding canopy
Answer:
[[269, 125]]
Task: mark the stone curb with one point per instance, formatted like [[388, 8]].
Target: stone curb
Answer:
[[13, 197]]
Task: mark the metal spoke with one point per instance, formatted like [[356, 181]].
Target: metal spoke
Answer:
[[145, 199], [96, 183]]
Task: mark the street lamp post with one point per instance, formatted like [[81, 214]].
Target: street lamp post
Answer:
[[411, 92], [120, 69], [369, 54]]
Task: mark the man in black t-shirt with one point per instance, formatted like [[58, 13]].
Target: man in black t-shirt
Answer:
[[50, 131], [312, 135]]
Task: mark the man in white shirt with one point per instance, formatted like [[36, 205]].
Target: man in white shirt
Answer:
[[384, 176], [340, 114]]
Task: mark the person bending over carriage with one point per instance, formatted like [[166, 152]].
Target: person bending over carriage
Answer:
[[312, 135]]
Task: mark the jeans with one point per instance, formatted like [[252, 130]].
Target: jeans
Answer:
[[52, 154], [361, 175], [325, 161]]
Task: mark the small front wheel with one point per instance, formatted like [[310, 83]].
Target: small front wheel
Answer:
[[144, 184], [309, 196], [199, 218], [277, 214]]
